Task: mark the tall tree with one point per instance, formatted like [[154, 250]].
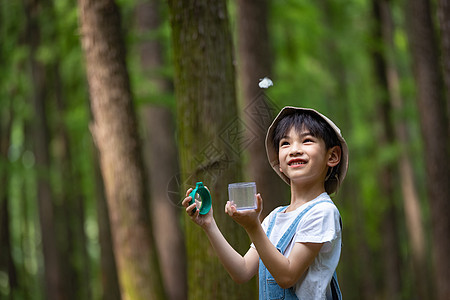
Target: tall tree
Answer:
[[255, 63], [210, 134], [69, 212], [7, 265], [335, 23], [108, 267], [161, 152], [115, 133], [391, 241], [55, 280], [434, 127], [163, 165], [7, 93], [411, 203], [444, 21], [67, 215]]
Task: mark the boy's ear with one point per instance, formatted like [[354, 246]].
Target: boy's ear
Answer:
[[334, 156]]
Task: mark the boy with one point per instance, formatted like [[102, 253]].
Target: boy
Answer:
[[296, 249]]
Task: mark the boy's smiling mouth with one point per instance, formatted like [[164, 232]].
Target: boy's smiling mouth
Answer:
[[296, 162]]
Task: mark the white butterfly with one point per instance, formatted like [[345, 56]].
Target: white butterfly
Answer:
[[265, 83]]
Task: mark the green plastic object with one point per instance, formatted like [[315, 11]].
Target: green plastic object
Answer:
[[205, 198]]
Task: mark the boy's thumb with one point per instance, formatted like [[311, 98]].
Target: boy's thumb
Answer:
[[259, 202]]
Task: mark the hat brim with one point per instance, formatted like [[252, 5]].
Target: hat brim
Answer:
[[272, 153]]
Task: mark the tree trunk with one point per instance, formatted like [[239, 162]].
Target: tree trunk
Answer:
[[69, 212], [255, 63], [6, 260], [151, 52], [444, 21], [114, 130], [210, 135], [55, 282], [110, 280], [391, 241], [357, 256], [161, 156], [355, 239], [163, 165], [434, 127], [411, 204]]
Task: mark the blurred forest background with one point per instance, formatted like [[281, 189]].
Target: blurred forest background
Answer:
[[110, 110]]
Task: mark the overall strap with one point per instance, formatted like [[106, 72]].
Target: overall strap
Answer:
[[335, 290], [289, 234]]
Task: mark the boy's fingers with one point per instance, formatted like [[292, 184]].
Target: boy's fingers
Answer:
[[259, 202], [230, 208], [227, 207], [186, 201], [190, 209], [188, 198]]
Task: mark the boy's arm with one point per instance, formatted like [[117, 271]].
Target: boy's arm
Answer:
[[241, 268], [285, 270]]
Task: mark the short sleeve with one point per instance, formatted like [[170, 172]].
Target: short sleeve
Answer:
[[320, 225]]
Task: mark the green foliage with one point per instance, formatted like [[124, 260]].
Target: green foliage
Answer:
[[145, 86]]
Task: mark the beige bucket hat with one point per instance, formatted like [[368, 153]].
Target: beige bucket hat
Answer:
[[331, 184]]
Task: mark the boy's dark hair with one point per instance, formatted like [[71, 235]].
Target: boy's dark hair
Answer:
[[306, 120]]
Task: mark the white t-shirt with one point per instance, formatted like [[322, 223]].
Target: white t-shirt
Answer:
[[319, 225]]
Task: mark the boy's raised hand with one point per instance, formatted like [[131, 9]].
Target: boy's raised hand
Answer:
[[201, 220], [245, 218]]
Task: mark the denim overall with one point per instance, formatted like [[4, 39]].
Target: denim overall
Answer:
[[268, 287]]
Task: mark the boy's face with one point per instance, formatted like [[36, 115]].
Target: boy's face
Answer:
[[304, 158]]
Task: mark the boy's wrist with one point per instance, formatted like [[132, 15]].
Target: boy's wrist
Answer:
[[252, 228], [207, 226]]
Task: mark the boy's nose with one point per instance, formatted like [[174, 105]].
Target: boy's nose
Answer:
[[296, 149]]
